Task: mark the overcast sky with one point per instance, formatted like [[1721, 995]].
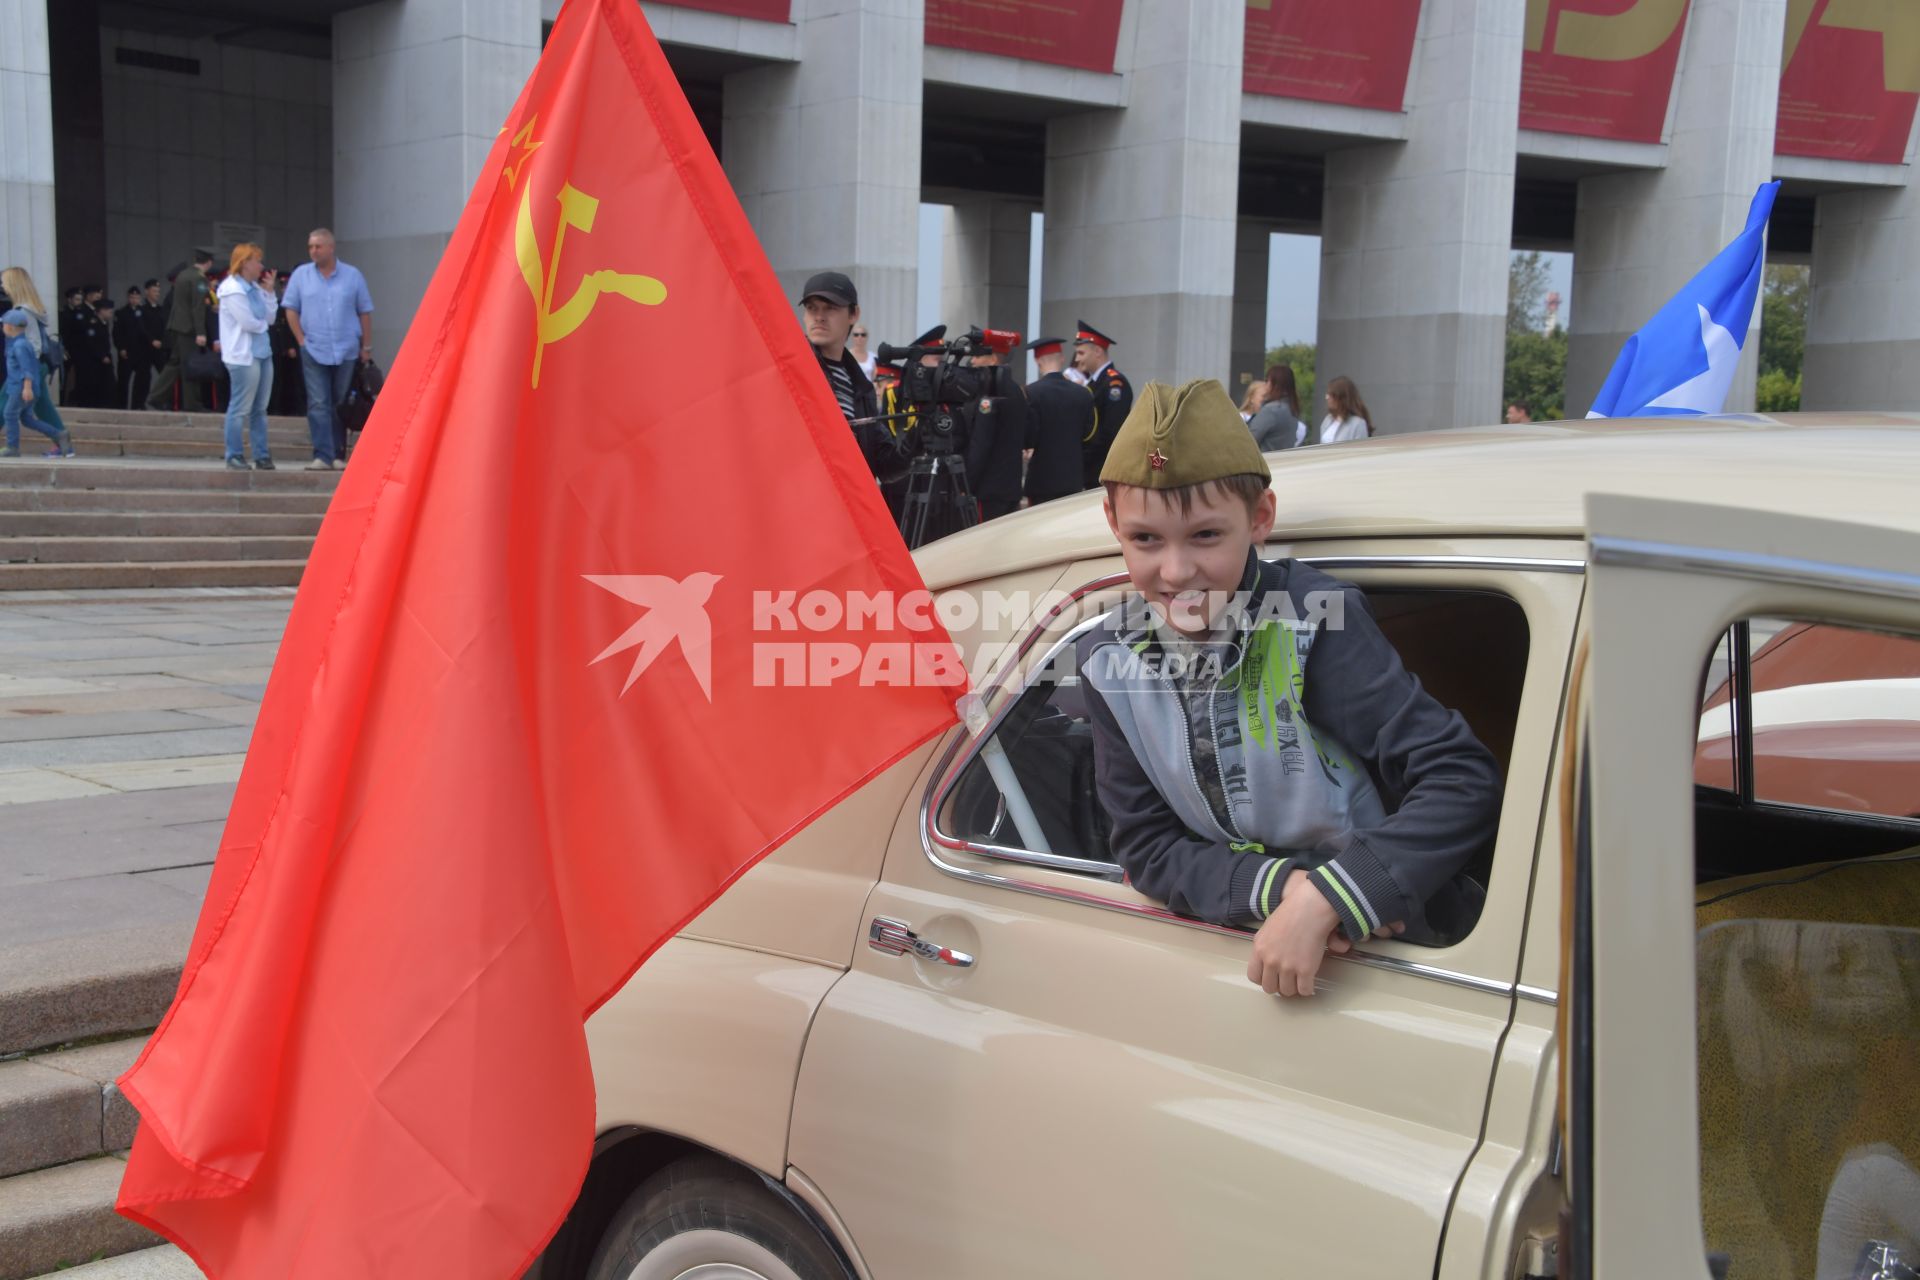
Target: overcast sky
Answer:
[[1293, 283]]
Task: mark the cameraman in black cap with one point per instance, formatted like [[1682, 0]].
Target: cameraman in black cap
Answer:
[[829, 306]]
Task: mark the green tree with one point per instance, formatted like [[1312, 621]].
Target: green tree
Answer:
[[1527, 282], [1537, 372], [1784, 299], [1297, 356]]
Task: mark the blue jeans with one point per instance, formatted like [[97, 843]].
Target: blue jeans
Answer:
[[43, 403], [247, 407], [19, 410], [326, 387]]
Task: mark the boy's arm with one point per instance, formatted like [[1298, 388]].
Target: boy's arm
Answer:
[[1440, 782], [1191, 874]]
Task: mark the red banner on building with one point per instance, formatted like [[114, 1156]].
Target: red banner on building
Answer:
[[1600, 68], [764, 10], [1355, 52], [1067, 33], [1850, 80]]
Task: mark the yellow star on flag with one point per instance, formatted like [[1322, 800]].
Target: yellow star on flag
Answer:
[[523, 148]]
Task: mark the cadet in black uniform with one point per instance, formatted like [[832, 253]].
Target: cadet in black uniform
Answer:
[[73, 317], [93, 360], [996, 437], [130, 349], [1112, 397], [1060, 416]]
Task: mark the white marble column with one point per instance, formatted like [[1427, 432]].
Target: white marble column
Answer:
[[420, 90], [1141, 201], [824, 153], [26, 146], [1639, 236], [986, 252], [1416, 235], [1863, 329]]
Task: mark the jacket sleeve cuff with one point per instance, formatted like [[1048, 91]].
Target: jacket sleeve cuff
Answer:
[[1363, 895], [1253, 891]]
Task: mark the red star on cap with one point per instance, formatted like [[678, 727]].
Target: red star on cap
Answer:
[[1157, 460]]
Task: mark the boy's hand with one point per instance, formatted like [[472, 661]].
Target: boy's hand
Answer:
[[26, 393], [1290, 946]]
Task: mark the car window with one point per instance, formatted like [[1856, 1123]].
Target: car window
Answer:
[[1028, 792], [1808, 950], [1029, 788], [1834, 714]]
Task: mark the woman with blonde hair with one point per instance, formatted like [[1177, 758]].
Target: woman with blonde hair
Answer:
[[246, 311], [18, 285], [1347, 416]]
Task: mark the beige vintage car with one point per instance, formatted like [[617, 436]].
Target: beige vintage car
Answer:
[[937, 1036]]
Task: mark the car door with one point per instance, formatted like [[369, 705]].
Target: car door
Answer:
[[1058, 1078], [1803, 1025]]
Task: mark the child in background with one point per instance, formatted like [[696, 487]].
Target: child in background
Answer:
[[22, 367]]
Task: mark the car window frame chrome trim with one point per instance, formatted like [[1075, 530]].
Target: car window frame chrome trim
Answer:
[[1754, 566], [953, 763]]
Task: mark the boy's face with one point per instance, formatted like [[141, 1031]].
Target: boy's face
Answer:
[[11, 330], [1187, 566]]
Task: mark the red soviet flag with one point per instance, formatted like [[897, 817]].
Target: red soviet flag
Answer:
[[523, 726]]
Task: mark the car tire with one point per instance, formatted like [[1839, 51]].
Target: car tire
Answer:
[[705, 1219]]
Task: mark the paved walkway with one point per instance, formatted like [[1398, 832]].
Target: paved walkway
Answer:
[[123, 721]]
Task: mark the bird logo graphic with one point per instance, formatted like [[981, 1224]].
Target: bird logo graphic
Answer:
[[676, 609]]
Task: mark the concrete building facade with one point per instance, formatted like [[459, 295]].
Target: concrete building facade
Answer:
[[1163, 141]]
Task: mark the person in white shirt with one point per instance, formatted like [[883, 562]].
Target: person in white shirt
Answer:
[[1347, 417], [857, 343]]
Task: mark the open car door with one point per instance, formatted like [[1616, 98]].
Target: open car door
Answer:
[[1800, 1031]]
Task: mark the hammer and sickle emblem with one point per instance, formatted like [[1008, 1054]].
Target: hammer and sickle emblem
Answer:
[[577, 209]]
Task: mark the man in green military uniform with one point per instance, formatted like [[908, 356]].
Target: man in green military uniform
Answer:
[[186, 332], [1112, 397]]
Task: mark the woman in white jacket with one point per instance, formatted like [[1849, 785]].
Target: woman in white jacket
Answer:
[[1347, 417], [246, 311]]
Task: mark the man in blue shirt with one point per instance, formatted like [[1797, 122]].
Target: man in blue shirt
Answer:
[[331, 315]]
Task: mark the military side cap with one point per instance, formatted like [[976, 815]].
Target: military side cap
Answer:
[[1087, 333], [16, 317], [1046, 346], [1180, 436]]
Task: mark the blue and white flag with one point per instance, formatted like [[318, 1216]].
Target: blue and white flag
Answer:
[[1682, 362]]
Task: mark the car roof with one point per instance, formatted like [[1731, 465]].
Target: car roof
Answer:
[[1518, 481]]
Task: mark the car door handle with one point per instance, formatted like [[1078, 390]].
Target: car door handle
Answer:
[[896, 938]]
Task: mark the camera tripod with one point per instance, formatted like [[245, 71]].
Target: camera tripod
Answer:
[[937, 501]]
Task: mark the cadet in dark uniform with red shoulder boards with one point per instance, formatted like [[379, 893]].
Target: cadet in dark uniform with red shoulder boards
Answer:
[[1060, 416], [1112, 397]]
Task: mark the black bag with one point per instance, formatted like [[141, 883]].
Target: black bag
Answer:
[[52, 353], [357, 405], [203, 366]]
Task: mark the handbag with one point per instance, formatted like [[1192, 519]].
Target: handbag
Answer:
[[203, 366], [357, 405]]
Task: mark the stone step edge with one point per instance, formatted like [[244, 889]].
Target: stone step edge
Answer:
[[66, 990], [54, 1218], [62, 1105]]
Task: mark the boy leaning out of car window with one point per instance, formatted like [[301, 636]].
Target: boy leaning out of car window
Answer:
[[1265, 758]]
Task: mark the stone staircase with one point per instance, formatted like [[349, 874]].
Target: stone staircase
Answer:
[[68, 1026], [149, 503]]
